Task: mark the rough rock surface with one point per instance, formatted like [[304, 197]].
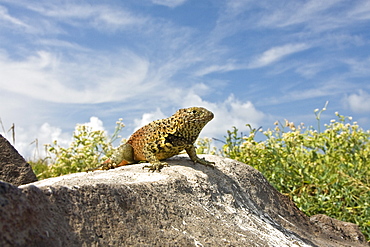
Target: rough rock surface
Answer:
[[13, 168], [185, 205]]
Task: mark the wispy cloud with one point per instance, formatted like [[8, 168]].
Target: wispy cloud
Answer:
[[314, 15], [360, 11], [309, 70], [99, 16], [8, 19], [358, 66], [300, 92], [69, 46], [300, 12], [48, 15], [277, 53], [228, 66], [169, 3]]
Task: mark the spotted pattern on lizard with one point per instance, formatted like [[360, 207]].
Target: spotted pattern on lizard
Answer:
[[162, 139]]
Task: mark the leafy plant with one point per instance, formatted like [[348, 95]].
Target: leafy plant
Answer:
[[323, 172], [204, 146], [88, 149]]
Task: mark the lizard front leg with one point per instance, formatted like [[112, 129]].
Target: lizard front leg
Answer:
[[155, 163], [193, 156]]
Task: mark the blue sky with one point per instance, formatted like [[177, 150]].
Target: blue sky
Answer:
[[69, 62]]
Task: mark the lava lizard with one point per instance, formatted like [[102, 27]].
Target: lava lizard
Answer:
[[162, 139]]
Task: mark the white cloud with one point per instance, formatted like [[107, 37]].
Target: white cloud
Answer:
[[149, 117], [86, 78], [50, 133], [169, 3], [233, 112], [360, 102], [95, 124], [277, 53]]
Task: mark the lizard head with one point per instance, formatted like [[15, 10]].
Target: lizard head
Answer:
[[189, 122], [197, 115]]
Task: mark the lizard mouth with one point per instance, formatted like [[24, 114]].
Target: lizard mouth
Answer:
[[207, 117], [210, 116]]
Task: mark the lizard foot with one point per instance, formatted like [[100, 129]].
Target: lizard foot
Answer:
[[156, 166], [205, 162]]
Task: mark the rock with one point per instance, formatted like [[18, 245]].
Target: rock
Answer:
[[13, 168], [336, 229], [184, 205]]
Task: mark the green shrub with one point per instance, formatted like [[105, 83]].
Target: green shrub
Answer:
[[324, 172], [204, 146], [41, 168], [88, 149]]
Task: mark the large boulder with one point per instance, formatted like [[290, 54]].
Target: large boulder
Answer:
[[13, 167], [184, 205]]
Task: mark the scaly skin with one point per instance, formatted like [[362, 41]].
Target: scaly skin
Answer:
[[162, 139]]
